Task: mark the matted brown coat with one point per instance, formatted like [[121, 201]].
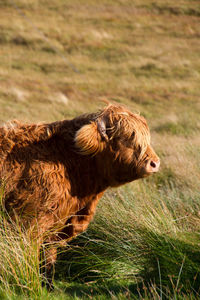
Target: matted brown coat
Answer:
[[54, 174]]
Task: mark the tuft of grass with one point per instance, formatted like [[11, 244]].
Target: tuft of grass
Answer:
[[141, 241], [19, 262]]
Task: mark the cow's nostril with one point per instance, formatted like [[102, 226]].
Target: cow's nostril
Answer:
[[153, 164]]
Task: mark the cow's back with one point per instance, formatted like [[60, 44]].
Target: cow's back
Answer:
[[33, 176]]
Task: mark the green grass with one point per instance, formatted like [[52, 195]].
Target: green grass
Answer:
[[143, 242], [59, 59], [148, 241], [19, 265]]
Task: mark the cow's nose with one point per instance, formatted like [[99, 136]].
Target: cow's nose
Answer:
[[154, 165]]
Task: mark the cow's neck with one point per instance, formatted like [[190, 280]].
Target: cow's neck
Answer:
[[85, 177]]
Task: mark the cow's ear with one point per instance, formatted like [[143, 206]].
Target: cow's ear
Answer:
[[91, 138]]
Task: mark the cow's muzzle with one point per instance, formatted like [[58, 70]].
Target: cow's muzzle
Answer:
[[152, 166]]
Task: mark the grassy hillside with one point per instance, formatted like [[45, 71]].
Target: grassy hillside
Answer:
[[58, 59]]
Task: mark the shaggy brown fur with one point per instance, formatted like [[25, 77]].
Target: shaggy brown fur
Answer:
[[54, 174]]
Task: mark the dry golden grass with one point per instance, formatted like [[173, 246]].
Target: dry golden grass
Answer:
[[123, 51]]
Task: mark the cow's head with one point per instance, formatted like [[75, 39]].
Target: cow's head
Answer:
[[120, 140]]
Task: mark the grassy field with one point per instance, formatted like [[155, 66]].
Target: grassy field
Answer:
[[58, 59]]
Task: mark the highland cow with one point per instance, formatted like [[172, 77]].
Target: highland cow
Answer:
[[54, 174]]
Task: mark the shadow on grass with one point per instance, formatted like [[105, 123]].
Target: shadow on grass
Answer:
[[173, 263], [103, 289], [169, 265]]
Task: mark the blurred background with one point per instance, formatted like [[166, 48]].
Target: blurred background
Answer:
[[58, 59]]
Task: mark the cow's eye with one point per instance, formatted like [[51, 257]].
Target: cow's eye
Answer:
[[133, 135]]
